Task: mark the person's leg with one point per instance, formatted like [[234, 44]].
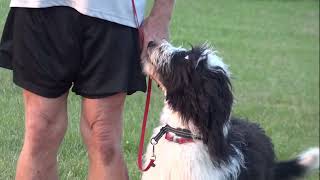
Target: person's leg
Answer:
[[45, 126], [101, 128]]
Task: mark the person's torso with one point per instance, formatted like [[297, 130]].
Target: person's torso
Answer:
[[119, 11]]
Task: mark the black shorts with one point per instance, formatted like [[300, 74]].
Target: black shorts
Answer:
[[53, 49]]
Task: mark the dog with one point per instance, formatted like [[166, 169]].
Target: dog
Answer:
[[202, 140]]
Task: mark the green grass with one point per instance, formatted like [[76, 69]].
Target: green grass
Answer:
[[272, 48]]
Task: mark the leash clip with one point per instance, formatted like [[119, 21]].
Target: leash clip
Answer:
[[153, 157], [153, 142]]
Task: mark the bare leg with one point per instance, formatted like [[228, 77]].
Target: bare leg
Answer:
[[45, 126], [101, 128]]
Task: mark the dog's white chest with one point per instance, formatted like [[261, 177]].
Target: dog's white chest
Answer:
[[189, 161]]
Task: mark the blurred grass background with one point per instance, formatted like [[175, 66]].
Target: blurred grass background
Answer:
[[272, 48]]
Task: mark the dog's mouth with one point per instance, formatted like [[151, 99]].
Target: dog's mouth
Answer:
[[150, 64], [158, 61], [151, 46], [151, 49]]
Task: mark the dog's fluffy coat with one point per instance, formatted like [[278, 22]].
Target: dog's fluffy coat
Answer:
[[198, 96]]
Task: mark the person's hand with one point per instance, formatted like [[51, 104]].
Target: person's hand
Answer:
[[156, 26], [154, 29]]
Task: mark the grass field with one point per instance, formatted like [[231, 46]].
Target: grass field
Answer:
[[272, 48]]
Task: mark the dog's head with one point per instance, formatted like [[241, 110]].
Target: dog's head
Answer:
[[196, 84]]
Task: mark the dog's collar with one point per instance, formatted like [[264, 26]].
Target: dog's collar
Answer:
[[176, 135], [177, 139]]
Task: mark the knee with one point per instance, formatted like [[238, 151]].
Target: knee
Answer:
[[101, 127], [44, 131], [105, 141]]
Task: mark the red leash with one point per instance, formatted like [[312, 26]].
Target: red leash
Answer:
[[146, 109], [143, 130], [136, 20]]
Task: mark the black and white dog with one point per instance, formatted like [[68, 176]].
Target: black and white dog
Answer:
[[202, 141]]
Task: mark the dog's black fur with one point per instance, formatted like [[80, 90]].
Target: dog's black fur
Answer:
[[204, 96]]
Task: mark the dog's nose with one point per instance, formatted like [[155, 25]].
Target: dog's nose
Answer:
[[151, 44]]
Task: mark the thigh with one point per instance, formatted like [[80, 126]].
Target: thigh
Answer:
[[52, 106]]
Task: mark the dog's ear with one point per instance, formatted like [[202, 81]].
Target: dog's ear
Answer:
[[217, 88], [194, 55]]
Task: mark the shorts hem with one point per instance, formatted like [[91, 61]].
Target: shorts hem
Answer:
[[36, 90], [104, 95], [8, 67]]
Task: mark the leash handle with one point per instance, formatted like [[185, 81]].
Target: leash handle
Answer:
[[146, 109]]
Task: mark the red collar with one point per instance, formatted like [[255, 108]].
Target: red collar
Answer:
[[177, 139]]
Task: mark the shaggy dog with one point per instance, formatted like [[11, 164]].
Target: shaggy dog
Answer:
[[202, 140]]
